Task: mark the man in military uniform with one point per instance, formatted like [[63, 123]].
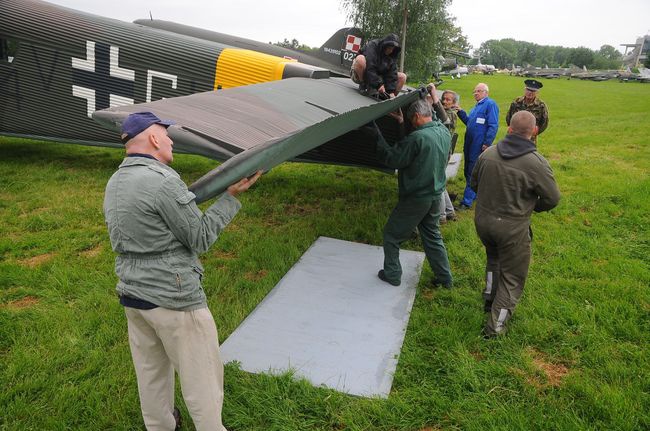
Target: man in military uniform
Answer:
[[512, 180], [421, 158], [532, 103]]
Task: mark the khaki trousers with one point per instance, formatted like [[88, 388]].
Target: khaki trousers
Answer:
[[165, 340]]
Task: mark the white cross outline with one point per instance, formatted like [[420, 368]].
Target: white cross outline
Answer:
[[88, 64]]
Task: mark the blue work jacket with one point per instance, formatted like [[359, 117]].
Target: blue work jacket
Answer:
[[482, 125]]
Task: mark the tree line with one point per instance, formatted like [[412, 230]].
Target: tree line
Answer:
[[504, 53]]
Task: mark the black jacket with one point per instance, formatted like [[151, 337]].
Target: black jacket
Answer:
[[380, 68]]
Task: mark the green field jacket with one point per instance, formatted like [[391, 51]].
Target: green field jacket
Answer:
[[158, 232], [512, 180], [421, 158]]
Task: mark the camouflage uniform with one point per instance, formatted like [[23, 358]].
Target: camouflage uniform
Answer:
[[453, 118], [537, 108]]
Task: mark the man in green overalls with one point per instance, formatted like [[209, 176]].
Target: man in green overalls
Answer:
[[421, 158], [511, 180]]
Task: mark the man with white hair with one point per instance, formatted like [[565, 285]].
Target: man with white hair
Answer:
[[482, 125], [512, 180], [158, 232], [421, 158]]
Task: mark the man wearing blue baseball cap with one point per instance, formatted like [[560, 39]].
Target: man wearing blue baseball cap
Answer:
[[157, 231]]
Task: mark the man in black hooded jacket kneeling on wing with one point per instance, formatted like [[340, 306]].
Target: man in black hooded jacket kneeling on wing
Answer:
[[375, 68]]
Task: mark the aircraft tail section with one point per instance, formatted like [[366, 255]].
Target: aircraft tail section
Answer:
[[341, 48]]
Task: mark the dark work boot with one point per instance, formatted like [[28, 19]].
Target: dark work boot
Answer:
[[382, 276]]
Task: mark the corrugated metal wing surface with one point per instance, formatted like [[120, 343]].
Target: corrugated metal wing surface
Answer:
[[268, 123]]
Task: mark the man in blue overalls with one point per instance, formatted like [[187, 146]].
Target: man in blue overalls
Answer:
[[482, 125]]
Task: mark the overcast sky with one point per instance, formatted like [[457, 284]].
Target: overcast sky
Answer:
[[569, 23]]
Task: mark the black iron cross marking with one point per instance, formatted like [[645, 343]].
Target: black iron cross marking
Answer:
[[98, 77]]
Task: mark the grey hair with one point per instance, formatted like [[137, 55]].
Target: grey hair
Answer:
[[487, 89], [453, 93], [421, 107]]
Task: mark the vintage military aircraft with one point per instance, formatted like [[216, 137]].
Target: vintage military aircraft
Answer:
[[450, 65], [547, 72], [629, 76], [594, 75], [73, 77], [485, 69]]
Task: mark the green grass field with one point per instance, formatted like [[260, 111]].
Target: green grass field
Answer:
[[577, 355]]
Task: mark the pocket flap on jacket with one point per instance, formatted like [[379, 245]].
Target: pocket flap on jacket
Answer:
[[185, 198]]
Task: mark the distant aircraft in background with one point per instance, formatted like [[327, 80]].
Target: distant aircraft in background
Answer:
[[595, 75], [450, 65], [65, 72], [485, 69]]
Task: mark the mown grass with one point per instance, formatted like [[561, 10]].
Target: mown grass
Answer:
[[577, 355]]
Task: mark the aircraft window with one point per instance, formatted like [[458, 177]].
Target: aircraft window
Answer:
[[8, 48]]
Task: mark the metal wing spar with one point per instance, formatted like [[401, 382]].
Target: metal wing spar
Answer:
[[260, 126]]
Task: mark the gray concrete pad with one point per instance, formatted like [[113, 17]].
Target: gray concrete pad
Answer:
[[454, 165], [331, 320]]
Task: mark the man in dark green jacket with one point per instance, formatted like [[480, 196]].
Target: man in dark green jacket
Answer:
[[512, 180], [421, 158]]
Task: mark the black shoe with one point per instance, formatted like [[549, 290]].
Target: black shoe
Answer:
[[452, 217], [462, 207], [487, 335], [177, 418], [437, 283], [487, 307], [382, 276]]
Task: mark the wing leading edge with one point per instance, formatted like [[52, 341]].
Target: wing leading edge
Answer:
[[260, 126]]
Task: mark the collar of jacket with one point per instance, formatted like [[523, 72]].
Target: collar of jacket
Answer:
[[424, 126], [513, 146], [144, 161]]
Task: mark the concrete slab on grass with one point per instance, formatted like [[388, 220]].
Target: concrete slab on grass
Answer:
[[454, 165], [331, 320]]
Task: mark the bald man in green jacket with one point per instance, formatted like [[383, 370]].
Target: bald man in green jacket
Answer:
[[512, 180]]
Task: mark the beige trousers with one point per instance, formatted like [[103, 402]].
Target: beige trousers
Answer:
[[162, 340]]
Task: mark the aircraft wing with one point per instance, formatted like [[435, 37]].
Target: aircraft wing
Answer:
[[260, 126]]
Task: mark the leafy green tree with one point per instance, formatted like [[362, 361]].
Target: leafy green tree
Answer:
[[607, 57], [581, 56], [501, 53], [610, 53], [647, 62], [430, 29]]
